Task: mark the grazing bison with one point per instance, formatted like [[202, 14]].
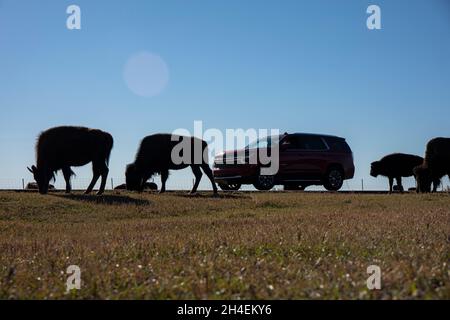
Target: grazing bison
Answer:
[[395, 166], [147, 186], [160, 153], [61, 148], [435, 165]]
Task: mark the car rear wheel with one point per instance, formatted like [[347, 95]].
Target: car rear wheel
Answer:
[[264, 183], [229, 186], [334, 179]]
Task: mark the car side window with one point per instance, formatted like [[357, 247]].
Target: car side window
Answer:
[[304, 143], [291, 143], [311, 143]]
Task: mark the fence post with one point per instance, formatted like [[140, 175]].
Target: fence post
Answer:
[[23, 184], [362, 184], [112, 184]]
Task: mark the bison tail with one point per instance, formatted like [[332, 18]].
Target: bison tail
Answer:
[[205, 153], [109, 146], [107, 158]]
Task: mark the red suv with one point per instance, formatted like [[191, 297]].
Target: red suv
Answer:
[[304, 160]]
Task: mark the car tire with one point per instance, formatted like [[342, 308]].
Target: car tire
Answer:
[[229, 186], [334, 179], [264, 183]]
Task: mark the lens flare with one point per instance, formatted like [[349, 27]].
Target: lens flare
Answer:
[[146, 74]]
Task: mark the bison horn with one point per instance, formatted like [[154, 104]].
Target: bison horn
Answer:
[[30, 170]]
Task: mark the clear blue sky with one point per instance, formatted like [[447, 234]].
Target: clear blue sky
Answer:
[[304, 66]]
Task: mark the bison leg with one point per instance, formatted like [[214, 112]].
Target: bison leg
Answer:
[[391, 183], [208, 172], [101, 169], [436, 184], [198, 176], [92, 184], [67, 173], [144, 180], [98, 170], [399, 183], [104, 175], [164, 177]]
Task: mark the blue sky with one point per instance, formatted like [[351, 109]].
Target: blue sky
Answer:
[[300, 66]]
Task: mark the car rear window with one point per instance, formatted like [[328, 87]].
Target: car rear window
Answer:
[[339, 145]]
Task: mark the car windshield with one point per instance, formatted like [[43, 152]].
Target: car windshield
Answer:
[[265, 142]]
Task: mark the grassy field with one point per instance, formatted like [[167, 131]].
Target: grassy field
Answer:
[[237, 246]]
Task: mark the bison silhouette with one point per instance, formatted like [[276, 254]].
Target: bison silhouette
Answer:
[[395, 166], [435, 165], [147, 186], [160, 153], [61, 148]]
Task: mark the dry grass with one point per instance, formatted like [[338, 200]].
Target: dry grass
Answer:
[[240, 246]]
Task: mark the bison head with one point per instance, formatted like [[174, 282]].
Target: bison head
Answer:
[[42, 177], [375, 169], [423, 178], [132, 178]]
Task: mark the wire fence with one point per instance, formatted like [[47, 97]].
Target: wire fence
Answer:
[[186, 183], [81, 183], [77, 183]]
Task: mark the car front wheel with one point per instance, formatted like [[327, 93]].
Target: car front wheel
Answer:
[[264, 183], [334, 179]]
